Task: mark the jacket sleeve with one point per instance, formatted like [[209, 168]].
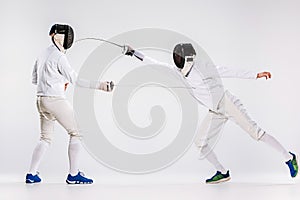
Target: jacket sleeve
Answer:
[[34, 74], [225, 72], [70, 75], [148, 59]]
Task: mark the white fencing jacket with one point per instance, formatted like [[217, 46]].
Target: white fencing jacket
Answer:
[[203, 82], [52, 70]]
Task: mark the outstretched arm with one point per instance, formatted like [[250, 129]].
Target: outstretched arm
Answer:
[[225, 72], [71, 76], [129, 51]]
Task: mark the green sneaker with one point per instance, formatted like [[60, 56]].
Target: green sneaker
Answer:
[[218, 178], [293, 165]]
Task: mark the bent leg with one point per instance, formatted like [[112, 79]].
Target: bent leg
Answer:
[[210, 129], [207, 135], [64, 114]]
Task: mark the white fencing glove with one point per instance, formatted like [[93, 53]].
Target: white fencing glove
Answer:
[[107, 86]]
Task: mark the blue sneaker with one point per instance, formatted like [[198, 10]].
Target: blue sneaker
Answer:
[[218, 178], [78, 179], [33, 178], [293, 165]]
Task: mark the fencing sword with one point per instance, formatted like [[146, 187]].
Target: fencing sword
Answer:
[[101, 40], [112, 84], [123, 47]]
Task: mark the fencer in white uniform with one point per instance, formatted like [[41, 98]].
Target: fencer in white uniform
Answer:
[[222, 105], [52, 73]]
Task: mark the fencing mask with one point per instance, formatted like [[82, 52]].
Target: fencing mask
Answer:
[[183, 56], [63, 35]]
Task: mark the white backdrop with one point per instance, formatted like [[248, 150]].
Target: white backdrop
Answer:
[[249, 34]]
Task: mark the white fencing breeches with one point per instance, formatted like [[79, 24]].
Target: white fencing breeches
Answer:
[[53, 109], [212, 125]]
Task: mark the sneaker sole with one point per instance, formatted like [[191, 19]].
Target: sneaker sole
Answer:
[[77, 182], [31, 181], [219, 181]]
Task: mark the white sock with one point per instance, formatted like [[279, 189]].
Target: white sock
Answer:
[[74, 153], [271, 141], [37, 156], [212, 158]]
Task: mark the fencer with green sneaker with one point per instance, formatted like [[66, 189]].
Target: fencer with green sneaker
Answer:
[[52, 73], [228, 107]]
